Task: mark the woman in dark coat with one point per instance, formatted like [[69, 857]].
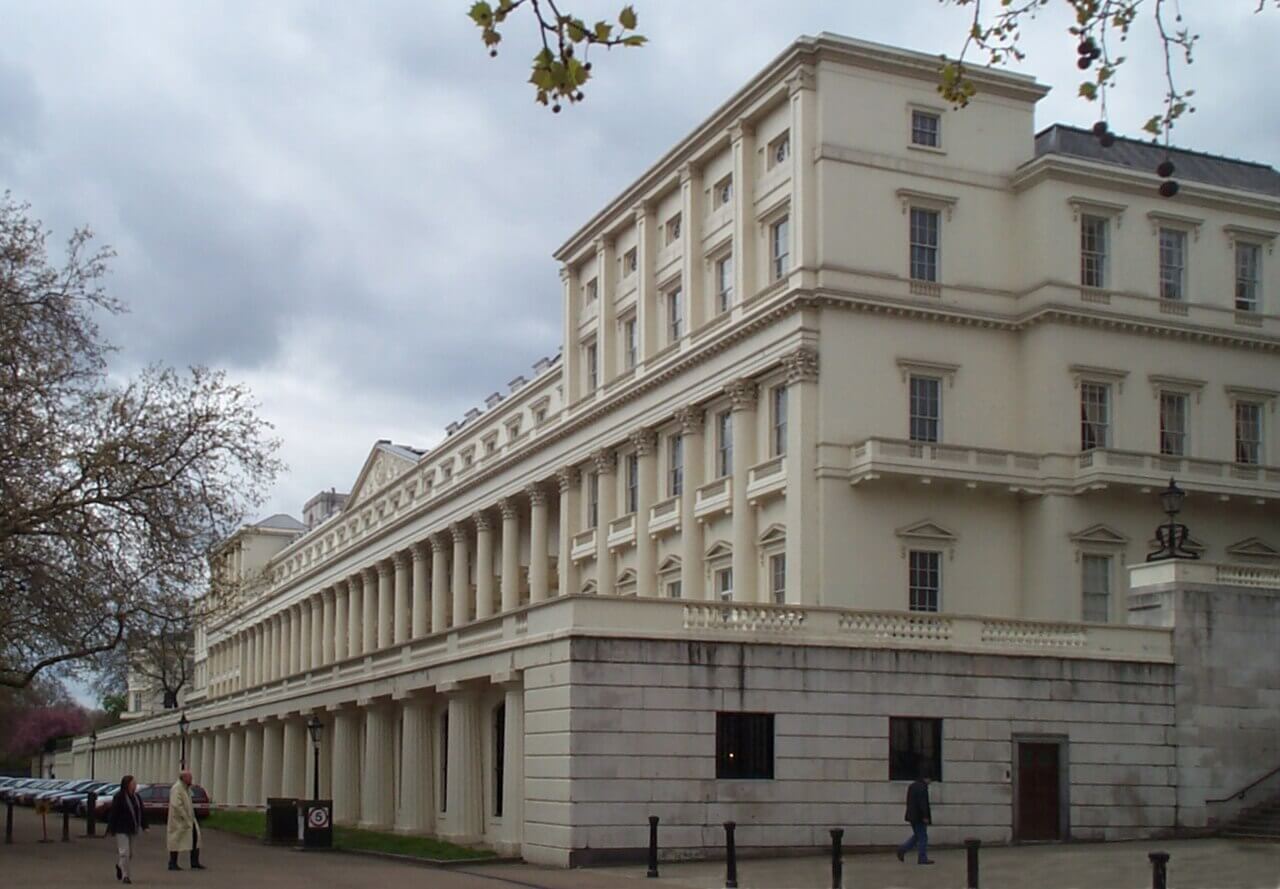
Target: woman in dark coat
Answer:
[[126, 820]]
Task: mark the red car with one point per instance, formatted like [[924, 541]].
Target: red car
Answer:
[[155, 801]]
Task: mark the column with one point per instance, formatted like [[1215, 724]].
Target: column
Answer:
[[282, 640], [377, 802], [370, 617], [207, 768], [317, 636], [742, 399], [327, 632], [645, 443], [293, 771], [464, 821], [513, 765], [259, 653], [691, 275], [404, 577], [567, 478], [242, 650], [295, 639], [235, 767], [272, 758], [648, 312], [355, 616], [484, 565], [439, 582], [251, 661], [606, 317], [220, 765], [461, 582], [346, 766], [195, 745], [802, 481], [744, 223], [417, 807], [693, 583], [604, 462], [511, 554], [421, 593], [341, 641], [571, 358], [251, 788], [538, 569], [386, 603], [304, 635]]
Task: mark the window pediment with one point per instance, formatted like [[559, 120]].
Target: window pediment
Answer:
[[928, 535], [1089, 206], [1253, 548], [1243, 234], [1185, 385], [1094, 373], [774, 534], [1160, 220], [1099, 535], [926, 368], [910, 197], [719, 550], [669, 564]]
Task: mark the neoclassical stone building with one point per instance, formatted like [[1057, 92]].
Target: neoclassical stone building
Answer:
[[859, 414]]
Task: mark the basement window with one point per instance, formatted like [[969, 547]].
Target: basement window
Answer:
[[744, 746]]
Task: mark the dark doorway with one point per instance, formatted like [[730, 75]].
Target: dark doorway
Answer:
[[1039, 792]]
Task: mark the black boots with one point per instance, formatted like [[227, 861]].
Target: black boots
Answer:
[[195, 860], [173, 861]]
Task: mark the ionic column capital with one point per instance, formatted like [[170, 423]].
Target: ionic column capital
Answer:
[[742, 395], [801, 365]]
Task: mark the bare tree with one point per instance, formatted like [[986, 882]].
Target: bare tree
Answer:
[[111, 494]]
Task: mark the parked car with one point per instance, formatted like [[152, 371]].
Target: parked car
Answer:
[[70, 802], [103, 805], [54, 794], [25, 796], [155, 800], [9, 791]]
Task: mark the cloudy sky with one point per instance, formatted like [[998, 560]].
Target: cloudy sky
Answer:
[[350, 207]]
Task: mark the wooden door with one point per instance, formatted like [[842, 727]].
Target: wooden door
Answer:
[[1038, 792]]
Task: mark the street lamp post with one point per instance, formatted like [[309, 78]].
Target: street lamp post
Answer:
[[314, 728], [182, 732], [93, 753], [1172, 537]]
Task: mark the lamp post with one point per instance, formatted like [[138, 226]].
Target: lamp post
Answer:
[[182, 732], [1172, 537], [314, 728], [93, 753]]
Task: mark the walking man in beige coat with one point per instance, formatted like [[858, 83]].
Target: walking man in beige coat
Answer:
[[183, 834]]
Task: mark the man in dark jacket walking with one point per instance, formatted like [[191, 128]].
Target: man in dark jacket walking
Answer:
[[919, 816]]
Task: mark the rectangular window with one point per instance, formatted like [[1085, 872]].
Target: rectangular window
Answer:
[[926, 408], [778, 578], [1093, 251], [673, 229], [780, 247], [1095, 416], [629, 340], [724, 584], [924, 244], [633, 482], [1173, 424], [675, 466], [724, 283], [499, 756], [630, 261], [724, 444], [675, 316], [444, 761], [593, 290], [779, 150], [926, 129], [779, 420], [1248, 274], [1248, 432], [673, 589], [1173, 263], [593, 367], [744, 746], [1095, 586], [915, 748], [925, 581], [593, 499], [723, 191]]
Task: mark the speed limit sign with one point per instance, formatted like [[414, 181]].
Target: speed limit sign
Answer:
[[318, 818]]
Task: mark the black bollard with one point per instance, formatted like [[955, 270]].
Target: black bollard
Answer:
[[1159, 870], [653, 846], [731, 857], [837, 861], [8, 824], [91, 815], [971, 848], [66, 826]]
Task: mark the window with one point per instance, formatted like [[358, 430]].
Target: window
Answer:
[[1248, 261], [1248, 432], [926, 129], [924, 244], [593, 290], [724, 284], [673, 589], [629, 261], [675, 466], [925, 581], [490, 445], [915, 748], [675, 316], [723, 191], [744, 745], [539, 417], [779, 150], [629, 342], [467, 458], [780, 247], [593, 499], [778, 578], [593, 367], [1173, 263], [444, 761], [1095, 416], [513, 428], [1173, 424], [926, 408], [633, 482], [779, 420], [724, 584], [499, 754], [1093, 251], [1095, 586], [724, 444], [673, 229]]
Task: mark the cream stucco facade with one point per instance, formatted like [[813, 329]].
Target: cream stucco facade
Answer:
[[814, 377]]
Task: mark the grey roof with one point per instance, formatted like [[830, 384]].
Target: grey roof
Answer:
[[281, 522], [404, 452], [1189, 166]]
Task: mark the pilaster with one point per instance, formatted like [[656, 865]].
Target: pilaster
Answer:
[[743, 143], [571, 358], [648, 312], [801, 469], [693, 584], [691, 274], [743, 395], [604, 463], [567, 478], [606, 317], [645, 443]]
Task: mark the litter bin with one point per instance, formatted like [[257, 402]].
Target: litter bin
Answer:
[[282, 820], [317, 823]]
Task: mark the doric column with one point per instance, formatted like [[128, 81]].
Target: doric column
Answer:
[[341, 613], [272, 758], [510, 553], [304, 635], [316, 638], [693, 584], [417, 809], [568, 481], [484, 565], [538, 569], [439, 582], [377, 802], [645, 443], [327, 613], [461, 582], [606, 317], [605, 462], [742, 398], [744, 222], [691, 274], [220, 765], [802, 481], [465, 819], [386, 603], [346, 766], [421, 624], [235, 767], [195, 753], [208, 763], [293, 769], [355, 615], [513, 765], [400, 605], [251, 788], [369, 620]]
